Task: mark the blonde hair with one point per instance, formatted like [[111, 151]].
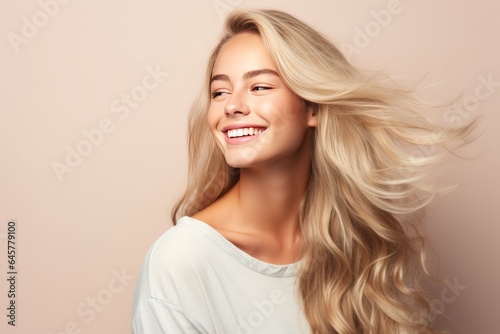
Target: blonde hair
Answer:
[[361, 254]]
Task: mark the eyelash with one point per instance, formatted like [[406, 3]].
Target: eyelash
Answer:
[[216, 94], [265, 87]]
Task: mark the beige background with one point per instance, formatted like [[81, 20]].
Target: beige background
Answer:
[[77, 232]]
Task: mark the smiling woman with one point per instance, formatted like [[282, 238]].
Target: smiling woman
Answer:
[[247, 95], [302, 198]]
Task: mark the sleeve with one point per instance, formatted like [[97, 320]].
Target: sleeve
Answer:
[[154, 316]]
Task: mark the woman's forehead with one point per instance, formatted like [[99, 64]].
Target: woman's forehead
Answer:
[[244, 52]]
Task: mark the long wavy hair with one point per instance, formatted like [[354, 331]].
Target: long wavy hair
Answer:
[[362, 253]]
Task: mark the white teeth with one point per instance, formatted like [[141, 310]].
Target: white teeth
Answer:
[[243, 132]]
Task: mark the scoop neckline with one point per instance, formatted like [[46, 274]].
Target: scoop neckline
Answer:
[[238, 254]]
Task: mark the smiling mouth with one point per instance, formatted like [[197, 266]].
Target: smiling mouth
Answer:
[[243, 132]]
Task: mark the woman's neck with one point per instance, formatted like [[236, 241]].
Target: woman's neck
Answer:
[[269, 200]]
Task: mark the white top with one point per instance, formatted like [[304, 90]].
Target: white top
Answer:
[[194, 280]]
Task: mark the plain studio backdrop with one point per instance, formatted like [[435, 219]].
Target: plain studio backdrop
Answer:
[[94, 98]]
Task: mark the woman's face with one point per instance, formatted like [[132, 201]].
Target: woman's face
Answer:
[[254, 117]]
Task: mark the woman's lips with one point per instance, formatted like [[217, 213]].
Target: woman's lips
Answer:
[[242, 135], [241, 132]]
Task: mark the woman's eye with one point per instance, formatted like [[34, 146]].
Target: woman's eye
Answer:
[[216, 94], [260, 88]]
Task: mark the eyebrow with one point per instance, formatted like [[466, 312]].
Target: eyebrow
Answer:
[[247, 75]]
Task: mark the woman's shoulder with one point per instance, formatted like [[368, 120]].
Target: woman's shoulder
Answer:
[[185, 239], [176, 264], [182, 253]]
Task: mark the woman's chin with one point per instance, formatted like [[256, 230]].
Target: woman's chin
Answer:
[[237, 164], [241, 159]]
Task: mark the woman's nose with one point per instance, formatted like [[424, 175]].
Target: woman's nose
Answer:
[[236, 105]]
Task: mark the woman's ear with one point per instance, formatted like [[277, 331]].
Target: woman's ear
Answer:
[[312, 113]]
